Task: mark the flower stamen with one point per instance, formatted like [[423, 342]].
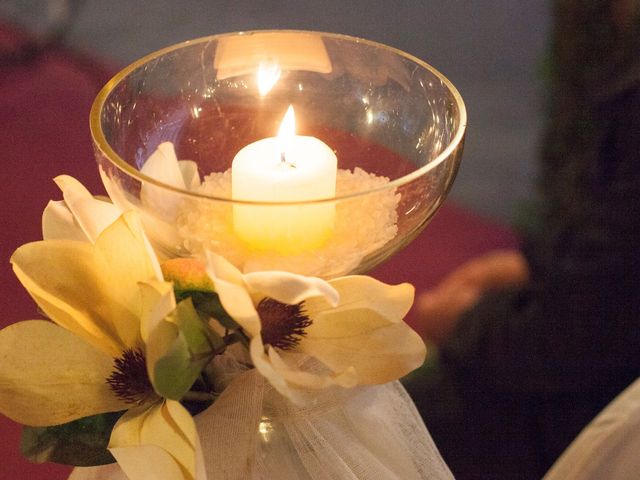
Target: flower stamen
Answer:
[[283, 325], [129, 379]]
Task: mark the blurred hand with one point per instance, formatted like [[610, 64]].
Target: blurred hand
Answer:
[[439, 309]]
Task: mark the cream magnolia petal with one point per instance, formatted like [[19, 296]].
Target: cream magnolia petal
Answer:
[[220, 268], [48, 376], [201, 469], [263, 364], [91, 290], [163, 166], [155, 227], [103, 472], [125, 244], [66, 280], [365, 331], [131, 456], [359, 292], [234, 297], [159, 232], [147, 462], [165, 431], [190, 175], [290, 288], [292, 382], [379, 353], [345, 377], [91, 214], [115, 193], [158, 301], [58, 223], [124, 249], [237, 302]]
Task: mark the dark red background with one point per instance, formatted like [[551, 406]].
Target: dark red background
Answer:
[[44, 132]]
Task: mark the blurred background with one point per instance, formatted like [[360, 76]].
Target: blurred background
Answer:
[[492, 50]]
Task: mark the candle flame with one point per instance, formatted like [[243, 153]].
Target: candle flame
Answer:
[[268, 75], [287, 130]]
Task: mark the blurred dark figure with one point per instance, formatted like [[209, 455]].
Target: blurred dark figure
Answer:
[[47, 29], [534, 344]]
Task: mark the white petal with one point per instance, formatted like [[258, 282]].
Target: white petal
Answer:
[[378, 354], [65, 278], [290, 288], [147, 462], [158, 228], [263, 364], [49, 376], [91, 290], [116, 193], [309, 379], [157, 442], [58, 223], [163, 166], [151, 254], [365, 331], [124, 248], [160, 232], [295, 384], [220, 268], [158, 301], [233, 293], [358, 292], [102, 472], [91, 214], [190, 175]]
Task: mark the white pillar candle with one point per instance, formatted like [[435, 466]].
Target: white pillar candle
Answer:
[[287, 168]]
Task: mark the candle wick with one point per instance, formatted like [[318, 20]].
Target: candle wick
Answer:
[[283, 159]]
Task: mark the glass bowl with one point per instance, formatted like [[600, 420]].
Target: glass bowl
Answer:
[[394, 123]]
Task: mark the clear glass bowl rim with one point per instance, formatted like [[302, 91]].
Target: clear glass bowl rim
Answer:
[[103, 145]]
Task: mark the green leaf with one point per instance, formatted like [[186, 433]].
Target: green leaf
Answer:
[[187, 345], [208, 304], [82, 443]]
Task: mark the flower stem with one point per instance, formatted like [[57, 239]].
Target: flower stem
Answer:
[[192, 396]]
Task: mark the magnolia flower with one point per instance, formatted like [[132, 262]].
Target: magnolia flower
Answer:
[[352, 325], [100, 284], [80, 216], [159, 206], [163, 165]]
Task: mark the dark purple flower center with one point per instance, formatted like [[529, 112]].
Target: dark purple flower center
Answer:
[[283, 325], [129, 379]]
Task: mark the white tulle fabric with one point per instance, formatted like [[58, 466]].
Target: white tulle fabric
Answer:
[[608, 448], [253, 433]]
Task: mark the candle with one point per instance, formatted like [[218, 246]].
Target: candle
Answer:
[[286, 168]]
